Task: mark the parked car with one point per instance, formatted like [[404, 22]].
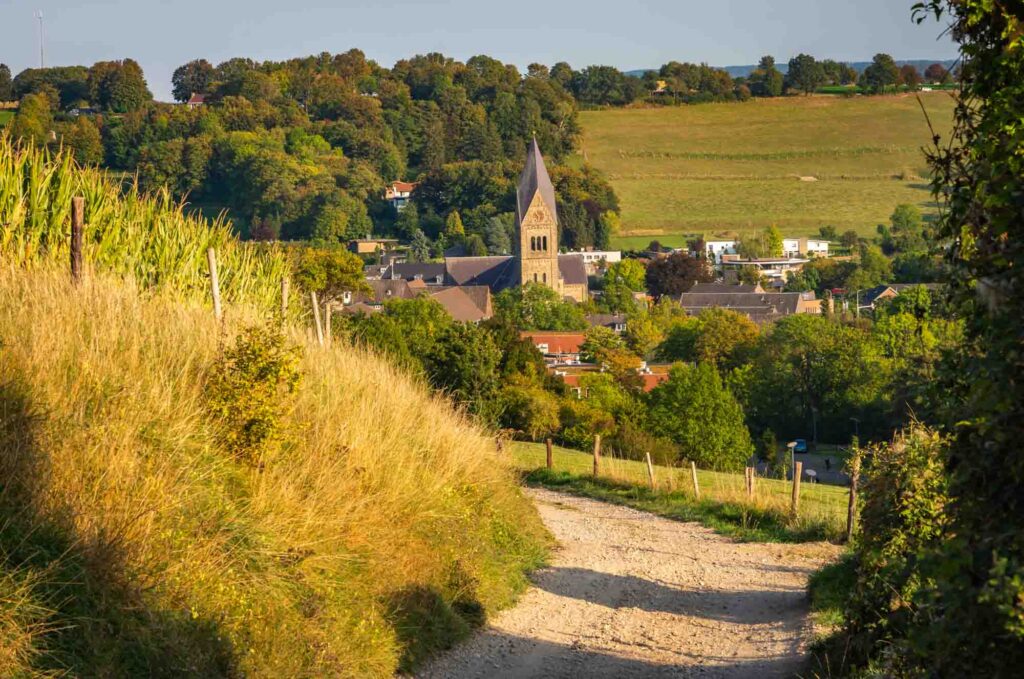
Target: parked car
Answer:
[[801, 446]]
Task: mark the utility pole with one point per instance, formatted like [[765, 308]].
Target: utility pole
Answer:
[[39, 17]]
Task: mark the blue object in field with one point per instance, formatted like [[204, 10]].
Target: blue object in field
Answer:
[[801, 446]]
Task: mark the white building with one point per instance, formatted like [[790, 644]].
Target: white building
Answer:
[[398, 194], [804, 247], [594, 260], [715, 249]]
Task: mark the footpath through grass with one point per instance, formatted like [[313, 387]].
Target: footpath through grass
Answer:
[[723, 504]]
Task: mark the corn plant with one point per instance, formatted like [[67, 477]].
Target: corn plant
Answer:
[[148, 237]]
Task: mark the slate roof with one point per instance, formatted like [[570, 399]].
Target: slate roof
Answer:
[[497, 272], [534, 179], [573, 269], [428, 272], [606, 320], [384, 289], [760, 306], [469, 304]]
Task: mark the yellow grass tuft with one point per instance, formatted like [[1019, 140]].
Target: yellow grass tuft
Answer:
[[131, 546]]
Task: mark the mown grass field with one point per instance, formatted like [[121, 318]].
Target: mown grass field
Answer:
[[6, 117], [720, 168], [723, 503]]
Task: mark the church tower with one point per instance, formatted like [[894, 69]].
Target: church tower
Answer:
[[537, 224]]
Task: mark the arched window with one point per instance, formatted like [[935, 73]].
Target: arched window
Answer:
[[545, 278], [545, 245], [534, 278]]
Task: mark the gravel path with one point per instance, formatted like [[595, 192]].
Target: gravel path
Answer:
[[630, 594]]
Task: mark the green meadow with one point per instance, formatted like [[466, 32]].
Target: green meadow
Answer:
[[798, 162]]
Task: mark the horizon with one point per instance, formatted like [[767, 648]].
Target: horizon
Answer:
[[732, 33]]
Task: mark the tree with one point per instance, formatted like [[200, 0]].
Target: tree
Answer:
[[599, 340], [453, 227], [810, 373], [34, 119], [195, 77], [643, 335], [419, 247], [118, 86], [881, 73], [329, 273], [910, 76], [805, 74], [766, 80], [675, 274], [463, 363], [83, 138], [6, 85], [773, 241], [724, 337], [936, 74], [537, 307], [475, 246], [496, 234], [530, 410], [696, 411]]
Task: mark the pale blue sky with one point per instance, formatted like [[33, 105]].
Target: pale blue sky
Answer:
[[637, 34]]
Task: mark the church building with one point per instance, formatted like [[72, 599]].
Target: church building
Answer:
[[536, 258]]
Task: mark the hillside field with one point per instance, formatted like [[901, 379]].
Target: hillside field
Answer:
[[6, 117], [720, 168]]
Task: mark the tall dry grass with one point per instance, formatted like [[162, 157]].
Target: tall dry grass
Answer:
[[131, 546]]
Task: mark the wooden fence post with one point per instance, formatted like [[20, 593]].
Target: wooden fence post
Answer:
[[597, 454], [750, 483], [327, 323], [696, 485], [316, 318], [211, 259], [551, 458], [851, 509], [285, 287], [77, 226], [798, 470], [650, 470]]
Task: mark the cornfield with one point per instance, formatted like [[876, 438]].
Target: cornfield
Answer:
[[148, 237]]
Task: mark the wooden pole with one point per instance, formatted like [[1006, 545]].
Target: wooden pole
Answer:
[[316, 319], [798, 471], [285, 288], [696, 485], [211, 258], [77, 226], [750, 483], [551, 457], [327, 322], [650, 470], [597, 454]]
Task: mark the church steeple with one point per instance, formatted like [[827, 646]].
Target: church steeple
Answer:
[[534, 180], [537, 224]]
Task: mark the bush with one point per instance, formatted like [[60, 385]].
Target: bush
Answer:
[[632, 443], [903, 515], [251, 387], [529, 410]]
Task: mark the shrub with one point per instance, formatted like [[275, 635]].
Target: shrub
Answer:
[[529, 410], [632, 442], [250, 389]]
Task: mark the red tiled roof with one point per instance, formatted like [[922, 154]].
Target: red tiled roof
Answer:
[[402, 187], [558, 342]]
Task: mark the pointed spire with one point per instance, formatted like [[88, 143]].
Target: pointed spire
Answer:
[[533, 180]]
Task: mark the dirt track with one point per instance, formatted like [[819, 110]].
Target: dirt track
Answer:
[[629, 594]]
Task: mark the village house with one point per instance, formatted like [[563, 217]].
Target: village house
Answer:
[[804, 247], [614, 322], [868, 300], [776, 269], [598, 260], [195, 101], [470, 304], [752, 301], [559, 348], [398, 194], [371, 246]]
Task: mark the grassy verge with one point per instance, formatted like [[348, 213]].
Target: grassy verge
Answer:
[[381, 527], [723, 505]]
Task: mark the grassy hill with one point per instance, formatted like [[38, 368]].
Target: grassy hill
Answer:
[[379, 527], [720, 168]]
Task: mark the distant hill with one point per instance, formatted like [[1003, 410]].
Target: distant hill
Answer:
[[743, 71]]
